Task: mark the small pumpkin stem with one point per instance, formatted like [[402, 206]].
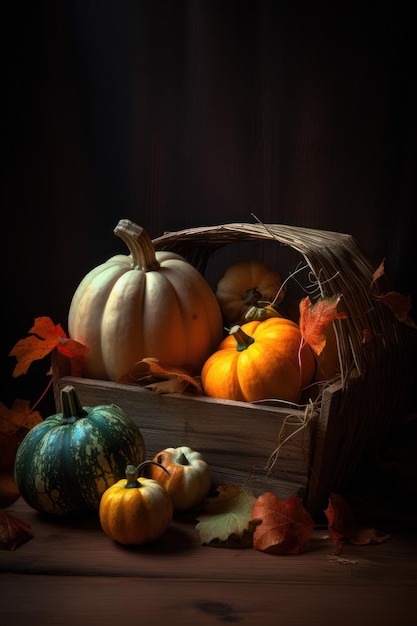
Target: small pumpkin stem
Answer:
[[243, 341], [140, 245], [183, 460], [131, 477], [257, 313], [71, 405], [251, 297], [133, 473]]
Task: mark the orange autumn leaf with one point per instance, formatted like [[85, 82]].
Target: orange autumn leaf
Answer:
[[286, 525], [19, 416], [161, 378], [315, 317], [44, 337], [343, 527]]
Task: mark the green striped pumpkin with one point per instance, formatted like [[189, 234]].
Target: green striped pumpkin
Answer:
[[65, 463]]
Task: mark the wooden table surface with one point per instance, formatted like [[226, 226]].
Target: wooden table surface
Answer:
[[72, 573]]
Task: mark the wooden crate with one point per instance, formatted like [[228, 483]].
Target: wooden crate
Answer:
[[238, 439], [353, 414]]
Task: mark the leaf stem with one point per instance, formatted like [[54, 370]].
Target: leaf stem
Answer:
[[39, 400]]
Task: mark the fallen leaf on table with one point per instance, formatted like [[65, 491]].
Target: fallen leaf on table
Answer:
[[286, 525], [160, 378], [45, 337], [343, 527], [13, 531], [315, 317], [228, 519]]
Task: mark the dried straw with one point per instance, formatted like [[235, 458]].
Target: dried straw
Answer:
[[374, 377]]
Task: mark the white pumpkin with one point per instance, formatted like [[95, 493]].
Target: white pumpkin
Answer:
[[145, 304]]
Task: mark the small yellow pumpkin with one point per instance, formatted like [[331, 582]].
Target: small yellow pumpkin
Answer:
[[260, 360], [246, 286], [135, 510], [145, 304], [188, 479]]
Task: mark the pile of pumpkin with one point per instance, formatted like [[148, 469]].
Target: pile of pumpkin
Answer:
[[156, 304], [72, 464]]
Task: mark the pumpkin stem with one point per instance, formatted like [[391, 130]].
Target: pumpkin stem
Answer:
[[243, 341], [140, 245], [251, 297], [183, 460], [71, 405], [133, 473], [131, 477], [258, 313]]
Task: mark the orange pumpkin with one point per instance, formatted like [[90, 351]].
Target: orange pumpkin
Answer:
[[246, 286], [135, 510], [328, 364], [260, 360]]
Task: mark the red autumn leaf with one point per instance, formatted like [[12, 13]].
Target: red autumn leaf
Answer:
[[13, 531], [315, 317], [379, 272], [286, 525], [399, 304], [44, 337], [343, 527], [19, 416], [161, 378]]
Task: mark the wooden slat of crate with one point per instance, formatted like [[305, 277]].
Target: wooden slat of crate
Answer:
[[236, 438], [327, 435]]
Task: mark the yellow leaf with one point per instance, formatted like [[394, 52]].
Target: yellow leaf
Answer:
[[228, 517]]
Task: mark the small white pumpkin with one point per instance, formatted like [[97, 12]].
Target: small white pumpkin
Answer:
[[184, 473]]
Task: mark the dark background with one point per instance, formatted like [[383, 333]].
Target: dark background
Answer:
[[186, 113]]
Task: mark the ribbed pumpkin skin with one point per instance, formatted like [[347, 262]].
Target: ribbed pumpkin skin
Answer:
[[65, 468], [246, 284], [189, 479], [268, 368], [135, 516], [136, 306]]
